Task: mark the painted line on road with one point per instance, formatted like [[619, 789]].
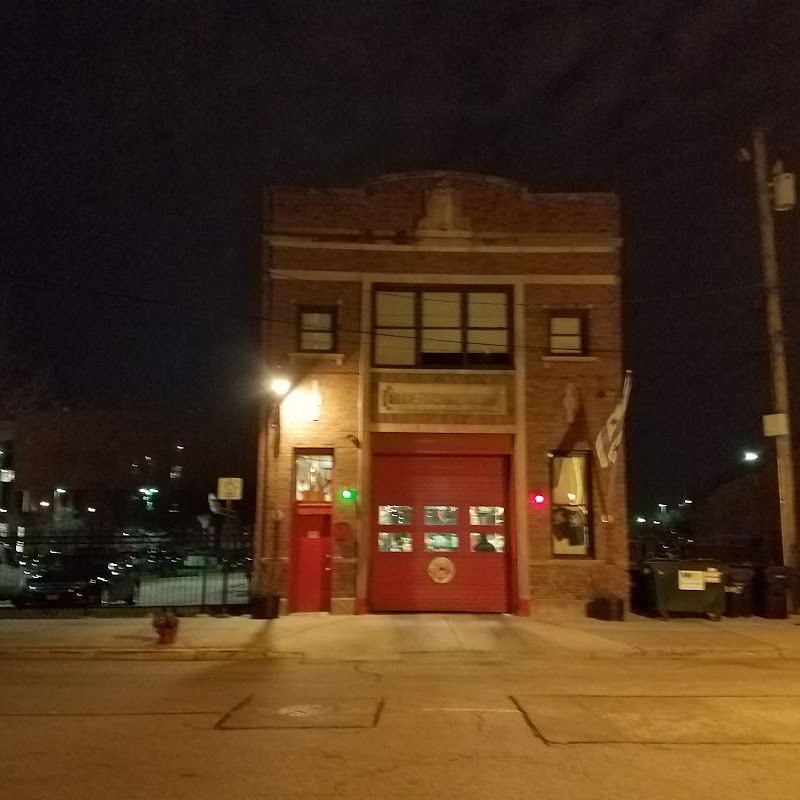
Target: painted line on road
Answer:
[[476, 710]]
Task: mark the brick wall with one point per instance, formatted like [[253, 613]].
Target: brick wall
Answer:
[[337, 421], [443, 263], [396, 204]]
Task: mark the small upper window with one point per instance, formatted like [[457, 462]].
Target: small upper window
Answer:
[[316, 329], [568, 334]]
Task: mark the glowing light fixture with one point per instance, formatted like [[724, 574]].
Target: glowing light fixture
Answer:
[[279, 386]]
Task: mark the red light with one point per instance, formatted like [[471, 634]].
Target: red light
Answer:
[[538, 499]]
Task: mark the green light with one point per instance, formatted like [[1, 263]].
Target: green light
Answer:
[[347, 494]]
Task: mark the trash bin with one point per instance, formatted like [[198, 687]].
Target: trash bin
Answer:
[[739, 591], [638, 584], [608, 607], [265, 606], [685, 586], [772, 592]]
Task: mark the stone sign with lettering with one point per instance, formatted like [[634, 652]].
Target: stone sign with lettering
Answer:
[[440, 398]]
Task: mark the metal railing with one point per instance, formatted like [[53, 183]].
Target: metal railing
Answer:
[[203, 569]]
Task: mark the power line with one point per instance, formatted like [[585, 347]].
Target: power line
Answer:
[[292, 322], [397, 291]]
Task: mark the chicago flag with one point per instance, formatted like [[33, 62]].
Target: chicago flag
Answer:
[[610, 437]]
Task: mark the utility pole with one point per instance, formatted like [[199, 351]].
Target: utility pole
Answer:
[[777, 349]]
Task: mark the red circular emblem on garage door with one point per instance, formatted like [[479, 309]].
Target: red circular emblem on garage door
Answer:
[[441, 570]]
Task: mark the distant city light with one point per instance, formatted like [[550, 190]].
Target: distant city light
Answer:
[[641, 519], [3, 511], [656, 522], [687, 502], [61, 491], [44, 504], [179, 447], [91, 509], [750, 456]]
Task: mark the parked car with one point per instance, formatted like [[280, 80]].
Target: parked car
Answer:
[[80, 579], [12, 576]]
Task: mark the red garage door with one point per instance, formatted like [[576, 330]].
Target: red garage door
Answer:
[[439, 535]]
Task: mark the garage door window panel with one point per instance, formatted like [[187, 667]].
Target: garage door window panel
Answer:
[[395, 542], [441, 542], [487, 542], [394, 515], [441, 515]]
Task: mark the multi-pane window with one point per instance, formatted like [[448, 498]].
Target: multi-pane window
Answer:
[[313, 477], [571, 504], [442, 328], [316, 329], [568, 334]]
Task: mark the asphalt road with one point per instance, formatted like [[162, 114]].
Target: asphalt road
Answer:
[[445, 727]]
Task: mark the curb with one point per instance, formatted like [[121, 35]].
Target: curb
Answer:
[[132, 654], [167, 653]]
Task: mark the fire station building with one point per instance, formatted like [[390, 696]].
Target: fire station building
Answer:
[[442, 350]]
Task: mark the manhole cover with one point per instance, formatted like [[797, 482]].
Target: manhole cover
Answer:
[[306, 710], [346, 712]]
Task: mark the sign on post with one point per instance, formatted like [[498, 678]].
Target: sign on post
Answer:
[[229, 488]]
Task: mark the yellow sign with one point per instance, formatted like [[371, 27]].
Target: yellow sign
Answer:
[[229, 488]]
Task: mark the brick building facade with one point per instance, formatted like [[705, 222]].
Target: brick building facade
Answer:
[[453, 347]]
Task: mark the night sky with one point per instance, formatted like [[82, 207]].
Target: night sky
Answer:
[[137, 136]]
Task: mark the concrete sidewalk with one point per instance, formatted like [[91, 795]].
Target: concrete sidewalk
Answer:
[[322, 637]]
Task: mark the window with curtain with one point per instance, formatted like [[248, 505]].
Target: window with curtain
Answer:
[[571, 504], [568, 334], [442, 327]]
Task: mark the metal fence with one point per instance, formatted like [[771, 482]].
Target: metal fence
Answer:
[[204, 569], [756, 551]]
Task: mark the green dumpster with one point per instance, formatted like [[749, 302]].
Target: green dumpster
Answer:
[[685, 586]]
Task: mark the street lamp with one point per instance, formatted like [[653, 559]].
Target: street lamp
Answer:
[[280, 386]]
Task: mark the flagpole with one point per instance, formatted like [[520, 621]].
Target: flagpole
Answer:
[[626, 391]]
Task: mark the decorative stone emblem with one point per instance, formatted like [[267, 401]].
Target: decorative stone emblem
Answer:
[[441, 570], [442, 214]]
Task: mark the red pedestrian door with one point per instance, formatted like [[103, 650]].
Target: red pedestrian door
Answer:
[[439, 533], [311, 558]]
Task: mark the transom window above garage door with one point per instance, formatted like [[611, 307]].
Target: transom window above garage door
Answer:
[[442, 327]]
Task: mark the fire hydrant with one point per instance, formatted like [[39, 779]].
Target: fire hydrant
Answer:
[[166, 625]]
